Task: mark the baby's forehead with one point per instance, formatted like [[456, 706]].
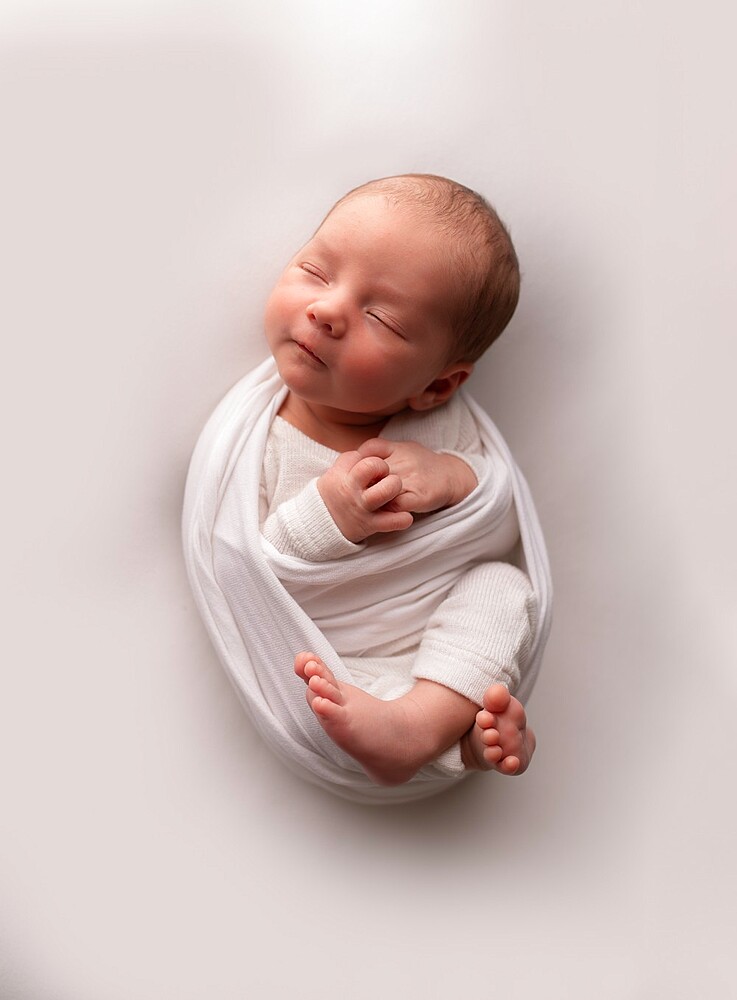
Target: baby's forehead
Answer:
[[358, 212], [404, 210], [354, 228]]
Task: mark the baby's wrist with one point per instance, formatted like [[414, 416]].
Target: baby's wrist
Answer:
[[345, 524], [461, 478]]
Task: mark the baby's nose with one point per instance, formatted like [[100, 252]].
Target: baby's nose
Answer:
[[327, 318]]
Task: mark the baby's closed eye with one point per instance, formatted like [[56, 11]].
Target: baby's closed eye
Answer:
[[314, 271]]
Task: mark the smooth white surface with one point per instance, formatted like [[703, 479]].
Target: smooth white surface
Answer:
[[159, 166]]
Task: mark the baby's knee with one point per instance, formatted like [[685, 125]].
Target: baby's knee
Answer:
[[498, 583]]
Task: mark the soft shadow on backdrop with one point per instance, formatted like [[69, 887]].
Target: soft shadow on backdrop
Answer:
[[160, 167]]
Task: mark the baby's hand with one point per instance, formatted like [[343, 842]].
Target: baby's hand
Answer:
[[355, 489], [430, 481]]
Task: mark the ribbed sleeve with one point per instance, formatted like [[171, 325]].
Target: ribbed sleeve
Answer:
[[303, 527]]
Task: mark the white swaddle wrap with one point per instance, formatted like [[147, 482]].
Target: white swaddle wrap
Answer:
[[257, 627]]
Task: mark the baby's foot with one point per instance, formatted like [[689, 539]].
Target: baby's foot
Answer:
[[499, 739], [385, 737]]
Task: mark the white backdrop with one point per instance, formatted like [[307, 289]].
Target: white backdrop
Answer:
[[160, 164]]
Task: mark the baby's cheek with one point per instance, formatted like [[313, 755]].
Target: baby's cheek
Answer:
[[282, 303]]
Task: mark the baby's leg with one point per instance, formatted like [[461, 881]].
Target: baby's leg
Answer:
[[481, 632], [391, 740], [480, 635], [499, 738]]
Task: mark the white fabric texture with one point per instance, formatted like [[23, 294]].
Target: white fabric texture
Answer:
[[257, 626]]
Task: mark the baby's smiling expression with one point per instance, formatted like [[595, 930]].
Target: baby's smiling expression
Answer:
[[358, 322]]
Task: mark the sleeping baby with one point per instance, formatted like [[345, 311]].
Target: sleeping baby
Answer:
[[374, 326]]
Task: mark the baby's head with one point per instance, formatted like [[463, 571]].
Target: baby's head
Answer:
[[481, 263], [404, 285]]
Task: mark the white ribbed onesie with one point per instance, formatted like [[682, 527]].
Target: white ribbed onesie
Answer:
[[482, 625]]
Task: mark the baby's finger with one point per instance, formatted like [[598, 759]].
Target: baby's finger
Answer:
[[414, 502], [405, 501], [384, 521], [347, 460], [378, 447], [366, 472], [382, 492]]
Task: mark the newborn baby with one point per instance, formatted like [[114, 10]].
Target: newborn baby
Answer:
[[374, 326]]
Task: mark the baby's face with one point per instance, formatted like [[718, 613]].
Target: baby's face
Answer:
[[358, 321]]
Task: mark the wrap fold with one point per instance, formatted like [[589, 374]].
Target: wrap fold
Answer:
[[257, 626]]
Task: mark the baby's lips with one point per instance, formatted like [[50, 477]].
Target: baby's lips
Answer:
[[309, 351]]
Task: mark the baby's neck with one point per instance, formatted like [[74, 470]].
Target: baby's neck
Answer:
[[334, 429]]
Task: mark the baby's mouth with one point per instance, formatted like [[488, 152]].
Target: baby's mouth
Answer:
[[308, 352]]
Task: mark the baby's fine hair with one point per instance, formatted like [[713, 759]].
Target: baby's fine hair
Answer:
[[484, 260]]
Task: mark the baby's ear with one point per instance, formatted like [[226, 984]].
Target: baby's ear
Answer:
[[442, 388]]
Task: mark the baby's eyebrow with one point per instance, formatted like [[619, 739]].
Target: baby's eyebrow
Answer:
[[392, 295], [316, 243]]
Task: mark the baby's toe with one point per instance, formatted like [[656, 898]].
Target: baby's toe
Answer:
[[496, 698], [324, 688], [484, 719], [316, 668], [326, 708], [490, 737], [492, 755], [300, 664]]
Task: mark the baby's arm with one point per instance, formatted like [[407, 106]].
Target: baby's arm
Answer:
[[366, 492], [331, 516], [430, 480]]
